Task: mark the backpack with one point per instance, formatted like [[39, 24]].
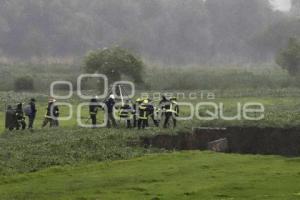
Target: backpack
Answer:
[[27, 110]]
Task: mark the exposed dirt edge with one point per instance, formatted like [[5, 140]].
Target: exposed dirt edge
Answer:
[[249, 140]]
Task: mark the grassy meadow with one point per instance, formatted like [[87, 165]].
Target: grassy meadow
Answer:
[[282, 108]]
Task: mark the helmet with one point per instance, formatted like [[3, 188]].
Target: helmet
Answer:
[[52, 100], [32, 99], [145, 101], [139, 100], [112, 96]]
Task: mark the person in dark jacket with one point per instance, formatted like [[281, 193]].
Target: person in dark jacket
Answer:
[[164, 102], [110, 103], [151, 113], [55, 113], [93, 109], [20, 117], [32, 114]]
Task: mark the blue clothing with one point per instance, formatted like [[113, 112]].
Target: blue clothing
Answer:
[[33, 110], [110, 103]]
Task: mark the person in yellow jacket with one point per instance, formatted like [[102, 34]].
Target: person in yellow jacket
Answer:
[[136, 106], [52, 114], [171, 112], [143, 114]]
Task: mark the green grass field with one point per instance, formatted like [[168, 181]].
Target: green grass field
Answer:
[[282, 108], [185, 175]]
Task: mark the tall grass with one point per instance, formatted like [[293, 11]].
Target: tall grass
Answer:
[[161, 78], [219, 78]]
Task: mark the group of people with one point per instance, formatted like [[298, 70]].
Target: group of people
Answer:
[[15, 117], [137, 113]]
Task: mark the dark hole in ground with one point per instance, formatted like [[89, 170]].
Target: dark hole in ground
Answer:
[[247, 140]]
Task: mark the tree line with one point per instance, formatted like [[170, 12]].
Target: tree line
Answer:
[[168, 31]]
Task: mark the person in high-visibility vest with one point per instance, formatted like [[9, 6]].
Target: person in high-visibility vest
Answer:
[[143, 117], [171, 112], [52, 114], [126, 112], [136, 106]]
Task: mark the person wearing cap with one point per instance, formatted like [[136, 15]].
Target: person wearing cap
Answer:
[[20, 117], [32, 114], [52, 114], [110, 103]]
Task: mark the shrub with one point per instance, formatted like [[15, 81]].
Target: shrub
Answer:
[[114, 63]]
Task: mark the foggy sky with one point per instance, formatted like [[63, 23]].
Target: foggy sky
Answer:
[[282, 5]]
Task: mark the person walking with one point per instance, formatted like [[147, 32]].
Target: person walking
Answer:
[[52, 114]]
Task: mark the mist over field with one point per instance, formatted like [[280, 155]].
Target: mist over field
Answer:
[[173, 32]]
